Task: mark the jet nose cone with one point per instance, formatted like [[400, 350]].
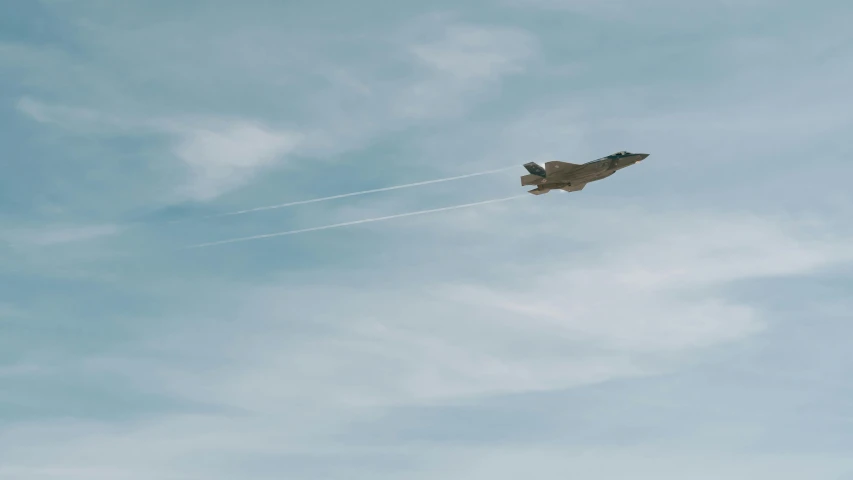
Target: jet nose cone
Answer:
[[643, 156]]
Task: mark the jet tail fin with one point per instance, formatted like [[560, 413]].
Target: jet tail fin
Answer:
[[535, 169]]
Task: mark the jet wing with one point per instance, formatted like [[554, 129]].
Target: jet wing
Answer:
[[555, 166], [574, 188]]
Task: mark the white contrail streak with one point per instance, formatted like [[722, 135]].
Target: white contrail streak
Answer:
[[363, 192], [356, 222]]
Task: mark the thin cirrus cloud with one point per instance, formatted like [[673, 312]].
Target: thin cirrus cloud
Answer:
[[220, 154], [437, 342], [228, 155], [57, 235]]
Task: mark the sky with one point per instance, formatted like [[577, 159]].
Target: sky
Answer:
[[687, 317]]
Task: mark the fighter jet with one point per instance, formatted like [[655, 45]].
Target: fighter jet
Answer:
[[572, 177]]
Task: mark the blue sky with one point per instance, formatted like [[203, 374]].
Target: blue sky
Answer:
[[686, 318]]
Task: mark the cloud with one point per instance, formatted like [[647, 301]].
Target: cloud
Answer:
[[222, 156], [449, 65], [57, 235], [286, 367], [547, 462], [618, 293], [17, 370], [470, 52], [630, 10], [463, 64], [657, 288], [80, 120]]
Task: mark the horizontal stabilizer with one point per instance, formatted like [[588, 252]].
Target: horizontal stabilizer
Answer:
[[531, 180], [535, 169]]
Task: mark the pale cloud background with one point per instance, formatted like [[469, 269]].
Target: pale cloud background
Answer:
[[686, 318]]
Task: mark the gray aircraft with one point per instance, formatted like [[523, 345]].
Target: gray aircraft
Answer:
[[572, 177]]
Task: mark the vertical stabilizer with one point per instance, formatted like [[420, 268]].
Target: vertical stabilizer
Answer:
[[535, 169]]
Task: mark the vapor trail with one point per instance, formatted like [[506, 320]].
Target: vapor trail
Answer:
[[363, 192], [356, 222]]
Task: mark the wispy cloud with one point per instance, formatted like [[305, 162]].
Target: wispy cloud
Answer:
[[669, 279], [57, 235], [476, 53], [645, 301], [626, 11], [77, 119], [225, 155], [604, 463], [463, 64], [454, 70], [220, 154]]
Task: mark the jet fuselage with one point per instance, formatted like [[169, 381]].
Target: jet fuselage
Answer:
[[573, 177]]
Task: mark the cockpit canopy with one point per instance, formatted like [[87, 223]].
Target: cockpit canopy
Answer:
[[622, 153]]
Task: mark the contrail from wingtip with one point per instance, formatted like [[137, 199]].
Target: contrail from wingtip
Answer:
[[356, 222], [363, 192]]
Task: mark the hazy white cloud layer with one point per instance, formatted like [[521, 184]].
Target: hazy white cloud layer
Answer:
[[685, 318], [222, 157]]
